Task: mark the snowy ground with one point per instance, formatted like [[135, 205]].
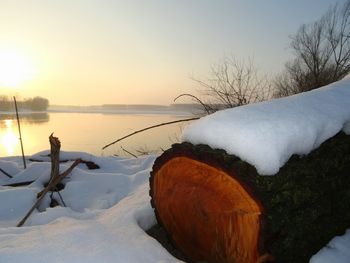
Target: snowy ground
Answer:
[[107, 213]]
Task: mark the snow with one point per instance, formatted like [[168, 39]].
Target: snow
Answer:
[[267, 134], [14, 203], [337, 251], [8, 167], [113, 235], [107, 212]]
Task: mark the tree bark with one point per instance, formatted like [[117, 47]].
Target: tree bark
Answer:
[[55, 146], [217, 208]]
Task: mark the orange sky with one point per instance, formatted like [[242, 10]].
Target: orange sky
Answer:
[[87, 52]]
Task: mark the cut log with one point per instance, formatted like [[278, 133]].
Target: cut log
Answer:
[[217, 208]]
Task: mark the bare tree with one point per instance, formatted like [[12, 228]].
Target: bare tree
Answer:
[[233, 83], [322, 53], [338, 35]]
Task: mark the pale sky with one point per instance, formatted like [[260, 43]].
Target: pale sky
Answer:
[[89, 52]]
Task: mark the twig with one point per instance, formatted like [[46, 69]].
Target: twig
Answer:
[[144, 151], [19, 184], [20, 134], [89, 164], [58, 179], [63, 203], [128, 152], [55, 176], [5, 173], [148, 128], [205, 106], [41, 195]]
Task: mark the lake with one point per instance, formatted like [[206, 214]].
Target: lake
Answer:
[[88, 132]]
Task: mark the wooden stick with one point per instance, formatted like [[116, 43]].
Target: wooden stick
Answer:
[[148, 128], [19, 184], [41, 195], [5, 173], [55, 181], [55, 178], [55, 146], [125, 150], [89, 164], [20, 134]]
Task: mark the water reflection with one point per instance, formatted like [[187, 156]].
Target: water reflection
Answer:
[[8, 137], [29, 118], [86, 132]]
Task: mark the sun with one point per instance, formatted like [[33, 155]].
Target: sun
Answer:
[[15, 68]]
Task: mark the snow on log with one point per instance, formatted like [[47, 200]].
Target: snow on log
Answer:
[[216, 204], [267, 134]]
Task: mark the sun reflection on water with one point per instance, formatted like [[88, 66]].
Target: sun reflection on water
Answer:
[[8, 139]]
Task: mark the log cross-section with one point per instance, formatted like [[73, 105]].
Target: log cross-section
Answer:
[[207, 197], [216, 208]]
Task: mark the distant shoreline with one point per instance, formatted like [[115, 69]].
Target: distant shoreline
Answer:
[[128, 107], [175, 109]]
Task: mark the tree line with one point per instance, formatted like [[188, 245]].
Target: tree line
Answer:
[[33, 104], [321, 56]]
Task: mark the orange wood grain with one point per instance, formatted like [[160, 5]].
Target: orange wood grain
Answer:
[[208, 213]]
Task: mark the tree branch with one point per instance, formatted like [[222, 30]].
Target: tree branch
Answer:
[[148, 128]]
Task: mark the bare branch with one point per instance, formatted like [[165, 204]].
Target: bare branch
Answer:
[[148, 128], [233, 83], [128, 152], [322, 53], [5, 173], [51, 185], [206, 107]]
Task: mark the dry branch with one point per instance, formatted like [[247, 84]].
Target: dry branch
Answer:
[[55, 146], [41, 195], [205, 106], [148, 128], [5, 173], [55, 179], [89, 164], [125, 150]]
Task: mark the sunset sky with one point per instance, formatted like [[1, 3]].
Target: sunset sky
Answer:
[[88, 52]]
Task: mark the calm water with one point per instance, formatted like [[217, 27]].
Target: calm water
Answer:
[[87, 132]]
